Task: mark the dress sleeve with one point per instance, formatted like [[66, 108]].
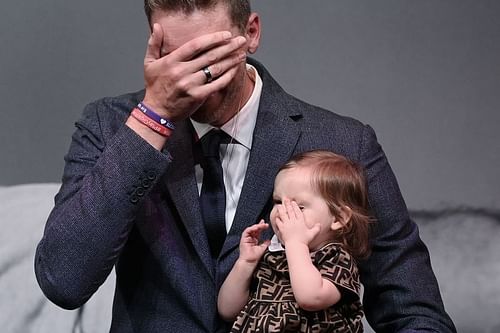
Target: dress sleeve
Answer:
[[338, 266]]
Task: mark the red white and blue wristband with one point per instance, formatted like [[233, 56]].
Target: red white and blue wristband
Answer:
[[156, 117]]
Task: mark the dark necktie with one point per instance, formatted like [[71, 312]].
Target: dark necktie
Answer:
[[213, 194]]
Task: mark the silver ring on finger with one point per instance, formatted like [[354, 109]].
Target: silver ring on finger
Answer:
[[208, 74]]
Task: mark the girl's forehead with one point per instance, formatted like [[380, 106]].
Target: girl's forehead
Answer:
[[294, 178], [295, 171]]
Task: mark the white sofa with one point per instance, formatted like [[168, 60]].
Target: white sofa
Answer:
[[464, 246], [23, 307]]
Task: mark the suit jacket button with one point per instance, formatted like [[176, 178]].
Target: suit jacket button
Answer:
[[134, 199], [151, 175], [140, 191], [146, 183]]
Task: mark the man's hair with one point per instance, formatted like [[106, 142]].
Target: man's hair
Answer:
[[340, 182], [239, 10]]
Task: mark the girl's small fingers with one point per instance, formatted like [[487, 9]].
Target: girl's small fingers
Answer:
[[262, 225], [279, 222], [265, 244], [296, 209], [249, 231], [282, 212], [290, 207], [256, 229]]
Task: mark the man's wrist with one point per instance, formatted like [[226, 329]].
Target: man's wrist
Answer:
[[153, 138], [147, 121], [155, 106], [160, 120]]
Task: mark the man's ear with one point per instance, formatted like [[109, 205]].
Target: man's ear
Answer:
[[345, 217], [252, 33]]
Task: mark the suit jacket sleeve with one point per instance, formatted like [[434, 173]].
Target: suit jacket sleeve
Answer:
[[108, 170], [401, 291]]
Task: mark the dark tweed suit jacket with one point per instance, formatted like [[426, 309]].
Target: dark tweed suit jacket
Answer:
[[124, 203]]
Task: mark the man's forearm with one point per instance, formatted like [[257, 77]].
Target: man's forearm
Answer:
[[94, 212]]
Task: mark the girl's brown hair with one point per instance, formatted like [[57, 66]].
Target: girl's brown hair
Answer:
[[340, 182]]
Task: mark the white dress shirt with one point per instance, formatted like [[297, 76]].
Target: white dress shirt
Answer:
[[234, 156]]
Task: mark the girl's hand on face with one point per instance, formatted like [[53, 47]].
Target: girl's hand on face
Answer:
[[250, 247], [292, 226]]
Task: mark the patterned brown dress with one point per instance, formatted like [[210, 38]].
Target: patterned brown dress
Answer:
[[272, 306]]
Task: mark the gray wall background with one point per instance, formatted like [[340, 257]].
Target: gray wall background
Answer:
[[425, 74]]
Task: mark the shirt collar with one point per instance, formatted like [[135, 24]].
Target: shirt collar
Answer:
[[275, 245], [241, 126]]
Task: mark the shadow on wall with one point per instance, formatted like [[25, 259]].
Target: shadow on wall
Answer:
[[463, 243]]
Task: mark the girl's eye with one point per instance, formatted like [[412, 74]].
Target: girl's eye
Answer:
[[301, 207], [276, 202]]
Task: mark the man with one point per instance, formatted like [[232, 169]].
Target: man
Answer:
[[133, 189]]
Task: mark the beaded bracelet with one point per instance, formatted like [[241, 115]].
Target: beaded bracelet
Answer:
[[145, 120], [156, 117]]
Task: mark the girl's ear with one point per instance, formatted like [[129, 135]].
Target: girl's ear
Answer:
[[345, 217]]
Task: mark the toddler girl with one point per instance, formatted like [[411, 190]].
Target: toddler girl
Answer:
[[306, 278]]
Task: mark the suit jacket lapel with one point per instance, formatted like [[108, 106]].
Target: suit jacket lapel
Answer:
[[181, 184], [274, 139]]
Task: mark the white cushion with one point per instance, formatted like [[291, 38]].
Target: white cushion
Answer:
[[23, 307]]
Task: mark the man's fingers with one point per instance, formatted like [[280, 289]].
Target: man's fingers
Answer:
[[183, 75], [214, 63], [153, 50], [216, 54], [194, 47], [205, 90], [217, 69]]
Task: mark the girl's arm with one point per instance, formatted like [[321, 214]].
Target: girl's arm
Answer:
[[235, 290], [233, 295], [312, 292]]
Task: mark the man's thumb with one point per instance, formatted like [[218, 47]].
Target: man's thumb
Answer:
[[153, 51]]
